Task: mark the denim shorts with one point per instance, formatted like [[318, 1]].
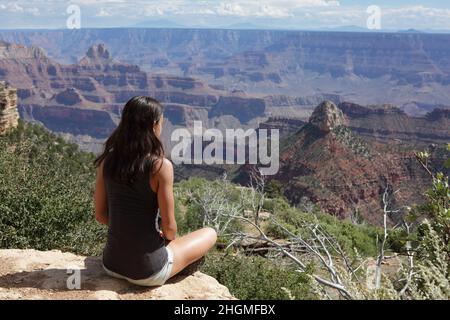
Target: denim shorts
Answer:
[[157, 279]]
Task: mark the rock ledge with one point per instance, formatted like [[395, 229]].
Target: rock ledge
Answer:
[[31, 274]]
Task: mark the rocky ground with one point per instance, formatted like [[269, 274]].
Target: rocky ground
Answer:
[[31, 275]]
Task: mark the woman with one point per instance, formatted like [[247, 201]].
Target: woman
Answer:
[[134, 197]]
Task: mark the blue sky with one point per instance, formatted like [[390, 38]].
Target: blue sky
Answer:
[[287, 14]]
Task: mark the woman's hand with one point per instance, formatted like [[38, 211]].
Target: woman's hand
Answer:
[[166, 241]]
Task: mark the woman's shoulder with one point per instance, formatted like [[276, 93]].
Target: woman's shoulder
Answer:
[[163, 167], [100, 165]]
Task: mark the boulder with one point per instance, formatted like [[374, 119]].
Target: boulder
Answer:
[[33, 275]]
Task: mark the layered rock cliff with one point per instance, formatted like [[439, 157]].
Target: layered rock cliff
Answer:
[[405, 67], [96, 87], [388, 123], [339, 53], [9, 116], [381, 123], [31, 275], [85, 100]]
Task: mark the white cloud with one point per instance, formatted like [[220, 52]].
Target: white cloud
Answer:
[[103, 13], [11, 7], [417, 17], [34, 11], [264, 8], [232, 8], [16, 8], [419, 11], [298, 13]]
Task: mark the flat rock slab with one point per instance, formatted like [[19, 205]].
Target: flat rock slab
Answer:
[[31, 274]]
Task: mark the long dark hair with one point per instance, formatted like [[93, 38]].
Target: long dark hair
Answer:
[[133, 147]]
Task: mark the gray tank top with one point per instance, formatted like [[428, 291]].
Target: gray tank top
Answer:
[[134, 248]]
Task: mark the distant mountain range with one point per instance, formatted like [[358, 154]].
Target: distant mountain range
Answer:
[[168, 24], [160, 23], [247, 25], [410, 69]]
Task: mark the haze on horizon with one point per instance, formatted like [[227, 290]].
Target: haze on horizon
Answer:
[[348, 15]]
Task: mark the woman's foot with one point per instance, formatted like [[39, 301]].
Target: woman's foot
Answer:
[[193, 267]]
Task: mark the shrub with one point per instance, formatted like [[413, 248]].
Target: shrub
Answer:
[[255, 278], [46, 193], [350, 236]]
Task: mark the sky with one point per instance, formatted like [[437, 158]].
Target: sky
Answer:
[[267, 14]]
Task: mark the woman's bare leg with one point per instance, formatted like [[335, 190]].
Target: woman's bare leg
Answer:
[[191, 247]]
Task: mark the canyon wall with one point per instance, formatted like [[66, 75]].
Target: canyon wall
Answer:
[[84, 101], [327, 163], [411, 70]]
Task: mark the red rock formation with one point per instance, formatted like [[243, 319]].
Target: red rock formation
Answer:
[[333, 167], [382, 123], [388, 123], [102, 85], [327, 117], [244, 109], [97, 55]]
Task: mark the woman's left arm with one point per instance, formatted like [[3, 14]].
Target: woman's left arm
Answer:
[[101, 202]]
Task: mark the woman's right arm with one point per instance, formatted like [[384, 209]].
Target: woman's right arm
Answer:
[[100, 198], [166, 202]]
